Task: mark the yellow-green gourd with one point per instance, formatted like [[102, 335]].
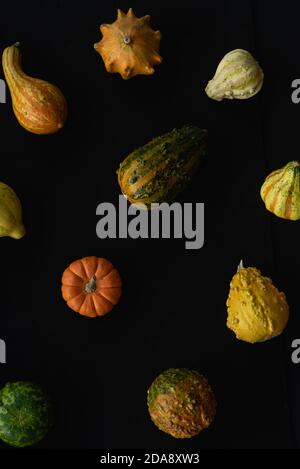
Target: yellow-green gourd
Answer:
[[238, 76], [257, 311], [10, 213]]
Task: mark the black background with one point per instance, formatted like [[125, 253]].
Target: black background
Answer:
[[172, 312]]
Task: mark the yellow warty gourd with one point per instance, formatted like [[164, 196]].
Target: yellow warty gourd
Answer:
[[257, 311], [10, 213]]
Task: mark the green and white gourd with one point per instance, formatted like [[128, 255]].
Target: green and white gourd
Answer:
[[238, 76]]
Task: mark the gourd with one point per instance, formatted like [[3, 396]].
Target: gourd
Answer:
[[257, 311], [91, 286], [281, 191], [26, 414], [181, 402], [129, 46], [162, 168], [10, 213], [238, 76], [39, 106]]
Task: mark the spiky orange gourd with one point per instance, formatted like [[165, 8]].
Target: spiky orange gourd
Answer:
[[39, 106], [129, 46]]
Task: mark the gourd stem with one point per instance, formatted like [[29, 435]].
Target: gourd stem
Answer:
[[17, 44], [127, 40], [90, 287]]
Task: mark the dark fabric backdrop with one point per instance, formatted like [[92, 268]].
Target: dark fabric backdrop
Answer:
[[173, 311]]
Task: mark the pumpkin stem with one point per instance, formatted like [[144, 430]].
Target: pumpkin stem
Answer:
[[90, 287], [127, 40], [240, 266]]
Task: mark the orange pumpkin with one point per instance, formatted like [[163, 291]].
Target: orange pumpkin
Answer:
[[91, 286], [129, 46]]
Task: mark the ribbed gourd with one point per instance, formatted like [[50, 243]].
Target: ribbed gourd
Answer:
[[238, 76], [129, 46], [181, 402], [281, 191], [162, 168], [257, 311], [91, 286]]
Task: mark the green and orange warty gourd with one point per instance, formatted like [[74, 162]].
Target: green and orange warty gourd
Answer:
[[39, 106], [129, 46], [91, 286], [281, 191], [257, 311], [162, 168], [181, 402]]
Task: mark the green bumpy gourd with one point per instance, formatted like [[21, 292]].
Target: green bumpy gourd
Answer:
[[25, 414]]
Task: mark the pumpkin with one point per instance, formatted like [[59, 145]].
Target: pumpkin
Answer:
[[91, 286], [38, 106], [26, 414], [181, 402], [129, 46], [162, 168], [238, 76], [281, 191], [10, 213], [257, 311]]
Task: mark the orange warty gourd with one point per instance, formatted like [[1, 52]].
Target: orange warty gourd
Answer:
[[38, 106], [129, 46], [91, 286]]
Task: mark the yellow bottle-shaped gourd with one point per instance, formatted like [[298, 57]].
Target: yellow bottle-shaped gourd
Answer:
[[257, 311], [10, 213]]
